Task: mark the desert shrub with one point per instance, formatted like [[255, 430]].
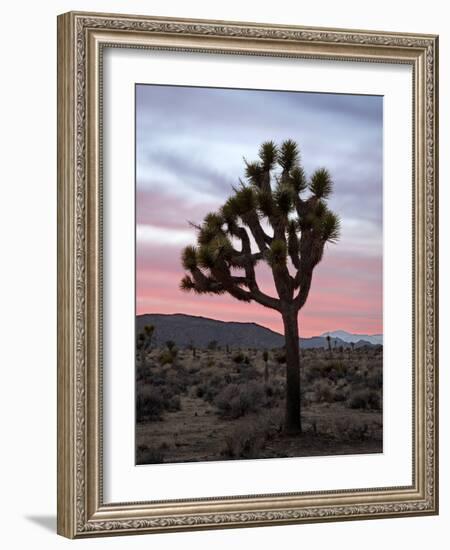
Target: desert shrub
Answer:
[[209, 389], [312, 373], [179, 380], [193, 369], [251, 396], [274, 391], [236, 400], [375, 400], [365, 399], [147, 455], [166, 358], [340, 395], [358, 400], [337, 370], [200, 391], [173, 404], [249, 438], [358, 432], [324, 391], [355, 378], [375, 380], [158, 378], [346, 429], [215, 380], [243, 442], [226, 398], [143, 372], [238, 358], [149, 403], [272, 422], [248, 373]]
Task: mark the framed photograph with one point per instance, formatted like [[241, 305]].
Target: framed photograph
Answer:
[[247, 288]]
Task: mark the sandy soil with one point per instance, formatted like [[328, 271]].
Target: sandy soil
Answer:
[[196, 433]]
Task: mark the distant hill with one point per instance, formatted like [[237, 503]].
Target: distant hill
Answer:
[[186, 330], [375, 339]]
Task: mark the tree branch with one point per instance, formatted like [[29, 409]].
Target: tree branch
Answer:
[[204, 284], [247, 260], [262, 239], [221, 272], [302, 296]]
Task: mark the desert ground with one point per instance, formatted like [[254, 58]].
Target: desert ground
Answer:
[[223, 403]]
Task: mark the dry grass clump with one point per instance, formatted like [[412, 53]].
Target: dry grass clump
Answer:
[[252, 436], [236, 400], [365, 398]]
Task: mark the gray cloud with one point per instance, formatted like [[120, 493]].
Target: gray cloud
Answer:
[[191, 141], [199, 174]]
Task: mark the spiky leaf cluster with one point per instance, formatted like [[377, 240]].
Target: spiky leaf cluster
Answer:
[[277, 254], [321, 184]]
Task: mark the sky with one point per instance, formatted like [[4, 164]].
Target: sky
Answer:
[[190, 144]]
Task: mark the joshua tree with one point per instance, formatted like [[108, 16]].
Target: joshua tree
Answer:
[[192, 348], [169, 355], [212, 346], [172, 349], [144, 342], [170, 345], [268, 219], [329, 343], [266, 366]]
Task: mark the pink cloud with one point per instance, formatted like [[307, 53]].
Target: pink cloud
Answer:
[[345, 294], [167, 210]]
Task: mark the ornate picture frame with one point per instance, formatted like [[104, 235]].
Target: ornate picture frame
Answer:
[[82, 38]]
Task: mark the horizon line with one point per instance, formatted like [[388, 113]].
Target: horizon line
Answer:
[[257, 324]]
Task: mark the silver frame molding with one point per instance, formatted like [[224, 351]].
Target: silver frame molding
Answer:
[[81, 38]]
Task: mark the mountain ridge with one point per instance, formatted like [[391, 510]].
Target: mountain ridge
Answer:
[[195, 330], [376, 339]]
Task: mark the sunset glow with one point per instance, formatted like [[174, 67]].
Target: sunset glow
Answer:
[[190, 144]]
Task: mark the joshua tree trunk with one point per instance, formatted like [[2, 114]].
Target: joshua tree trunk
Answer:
[[293, 413]]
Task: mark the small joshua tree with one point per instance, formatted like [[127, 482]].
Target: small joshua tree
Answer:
[[213, 345], [266, 366], [169, 355], [290, 232], [329, 343], [144, 342], [170, 345]]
